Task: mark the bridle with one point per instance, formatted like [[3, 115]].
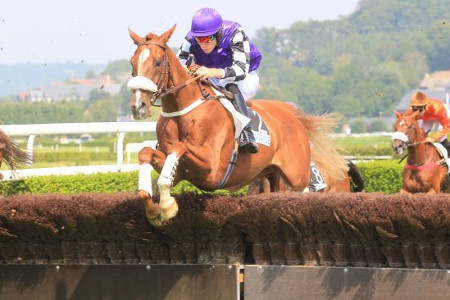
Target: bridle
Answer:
[[140, 82], [160, 89], [399, 135], [403, 136]]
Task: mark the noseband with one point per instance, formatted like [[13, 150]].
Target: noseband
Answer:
[[161, 88], [146, 84]]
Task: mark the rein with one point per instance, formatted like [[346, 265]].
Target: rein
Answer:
[[175, 88], [164, 77]]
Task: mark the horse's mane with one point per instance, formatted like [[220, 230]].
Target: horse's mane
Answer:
[[324, 152], [12, 154]]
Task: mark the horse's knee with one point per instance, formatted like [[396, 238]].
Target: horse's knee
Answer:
[[145, 155]]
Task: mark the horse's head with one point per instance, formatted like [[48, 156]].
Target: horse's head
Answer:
[[151, 71], [407, 131]]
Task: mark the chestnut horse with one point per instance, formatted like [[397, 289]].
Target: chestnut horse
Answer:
[[197, 138], [424, 171], [353, 182], [11, 153]]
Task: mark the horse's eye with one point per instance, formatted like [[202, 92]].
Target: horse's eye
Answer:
[[158, 63]]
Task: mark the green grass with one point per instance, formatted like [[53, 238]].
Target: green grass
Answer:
[[350, 143], [65, 148]]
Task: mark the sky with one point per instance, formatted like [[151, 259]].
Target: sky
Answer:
[[95, 31]]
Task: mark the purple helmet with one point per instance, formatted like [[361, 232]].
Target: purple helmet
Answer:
[[206, 21]]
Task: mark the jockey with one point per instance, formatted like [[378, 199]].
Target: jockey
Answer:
[[432, 111], [224, 54]]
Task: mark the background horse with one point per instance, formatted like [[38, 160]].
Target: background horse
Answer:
[[424, 171], [196, 133], [353, 182], [11, 153]]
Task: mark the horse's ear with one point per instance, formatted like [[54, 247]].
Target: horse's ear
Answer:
[[135, 37], [166, 35], [397, 113]]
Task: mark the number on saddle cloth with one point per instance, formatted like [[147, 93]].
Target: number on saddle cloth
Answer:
[[316, 182], [259, 128]]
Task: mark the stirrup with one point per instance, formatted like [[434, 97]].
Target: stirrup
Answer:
[[247, 141], [250, 147]]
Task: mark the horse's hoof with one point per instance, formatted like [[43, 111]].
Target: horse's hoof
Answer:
[[153, 211], [156, 222], [169, 212]]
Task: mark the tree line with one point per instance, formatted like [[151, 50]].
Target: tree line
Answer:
[[360, 65]]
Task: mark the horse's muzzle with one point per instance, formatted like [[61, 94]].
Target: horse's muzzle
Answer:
[[399, 146], [141, 112]]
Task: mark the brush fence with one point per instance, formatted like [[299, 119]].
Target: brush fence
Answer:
[[290, 245]]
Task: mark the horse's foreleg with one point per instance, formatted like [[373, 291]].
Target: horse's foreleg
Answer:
[[169, 207], [149, 158], [433, 191]]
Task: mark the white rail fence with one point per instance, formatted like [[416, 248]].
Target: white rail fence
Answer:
[[120, 128]]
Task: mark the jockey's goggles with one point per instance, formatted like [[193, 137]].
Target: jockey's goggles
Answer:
[[418, 108], [205, 39]]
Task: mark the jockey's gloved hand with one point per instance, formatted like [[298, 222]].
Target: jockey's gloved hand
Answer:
[[210, 72], [193, 69]]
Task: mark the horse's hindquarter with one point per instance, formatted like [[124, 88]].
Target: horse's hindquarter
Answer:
[[289, 140]]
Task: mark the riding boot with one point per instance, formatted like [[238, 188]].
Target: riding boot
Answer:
[[446, 144], [246, 139]]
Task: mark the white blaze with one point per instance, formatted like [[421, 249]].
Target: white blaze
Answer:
[[145, 54]]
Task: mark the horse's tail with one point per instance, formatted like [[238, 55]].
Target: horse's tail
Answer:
[[357, 181], [324, 152], [13, 156]]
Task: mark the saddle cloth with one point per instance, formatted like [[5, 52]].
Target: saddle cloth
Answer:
[[259, 127], [316, 182]]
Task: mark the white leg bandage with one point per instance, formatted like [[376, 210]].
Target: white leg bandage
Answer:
[[170, 166], [145, 178], [165, 180]]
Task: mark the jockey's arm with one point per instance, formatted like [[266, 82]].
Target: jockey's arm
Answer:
[[240, 47], [184, 54], [444, 121]]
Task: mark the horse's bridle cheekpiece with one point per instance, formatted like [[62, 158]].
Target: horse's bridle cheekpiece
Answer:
[[146, 84]]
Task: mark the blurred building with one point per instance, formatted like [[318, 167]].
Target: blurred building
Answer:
[[435, 85]]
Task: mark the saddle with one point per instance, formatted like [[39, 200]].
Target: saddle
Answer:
[[443, 153]]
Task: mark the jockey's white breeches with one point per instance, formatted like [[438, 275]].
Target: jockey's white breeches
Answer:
[[248, 86]]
